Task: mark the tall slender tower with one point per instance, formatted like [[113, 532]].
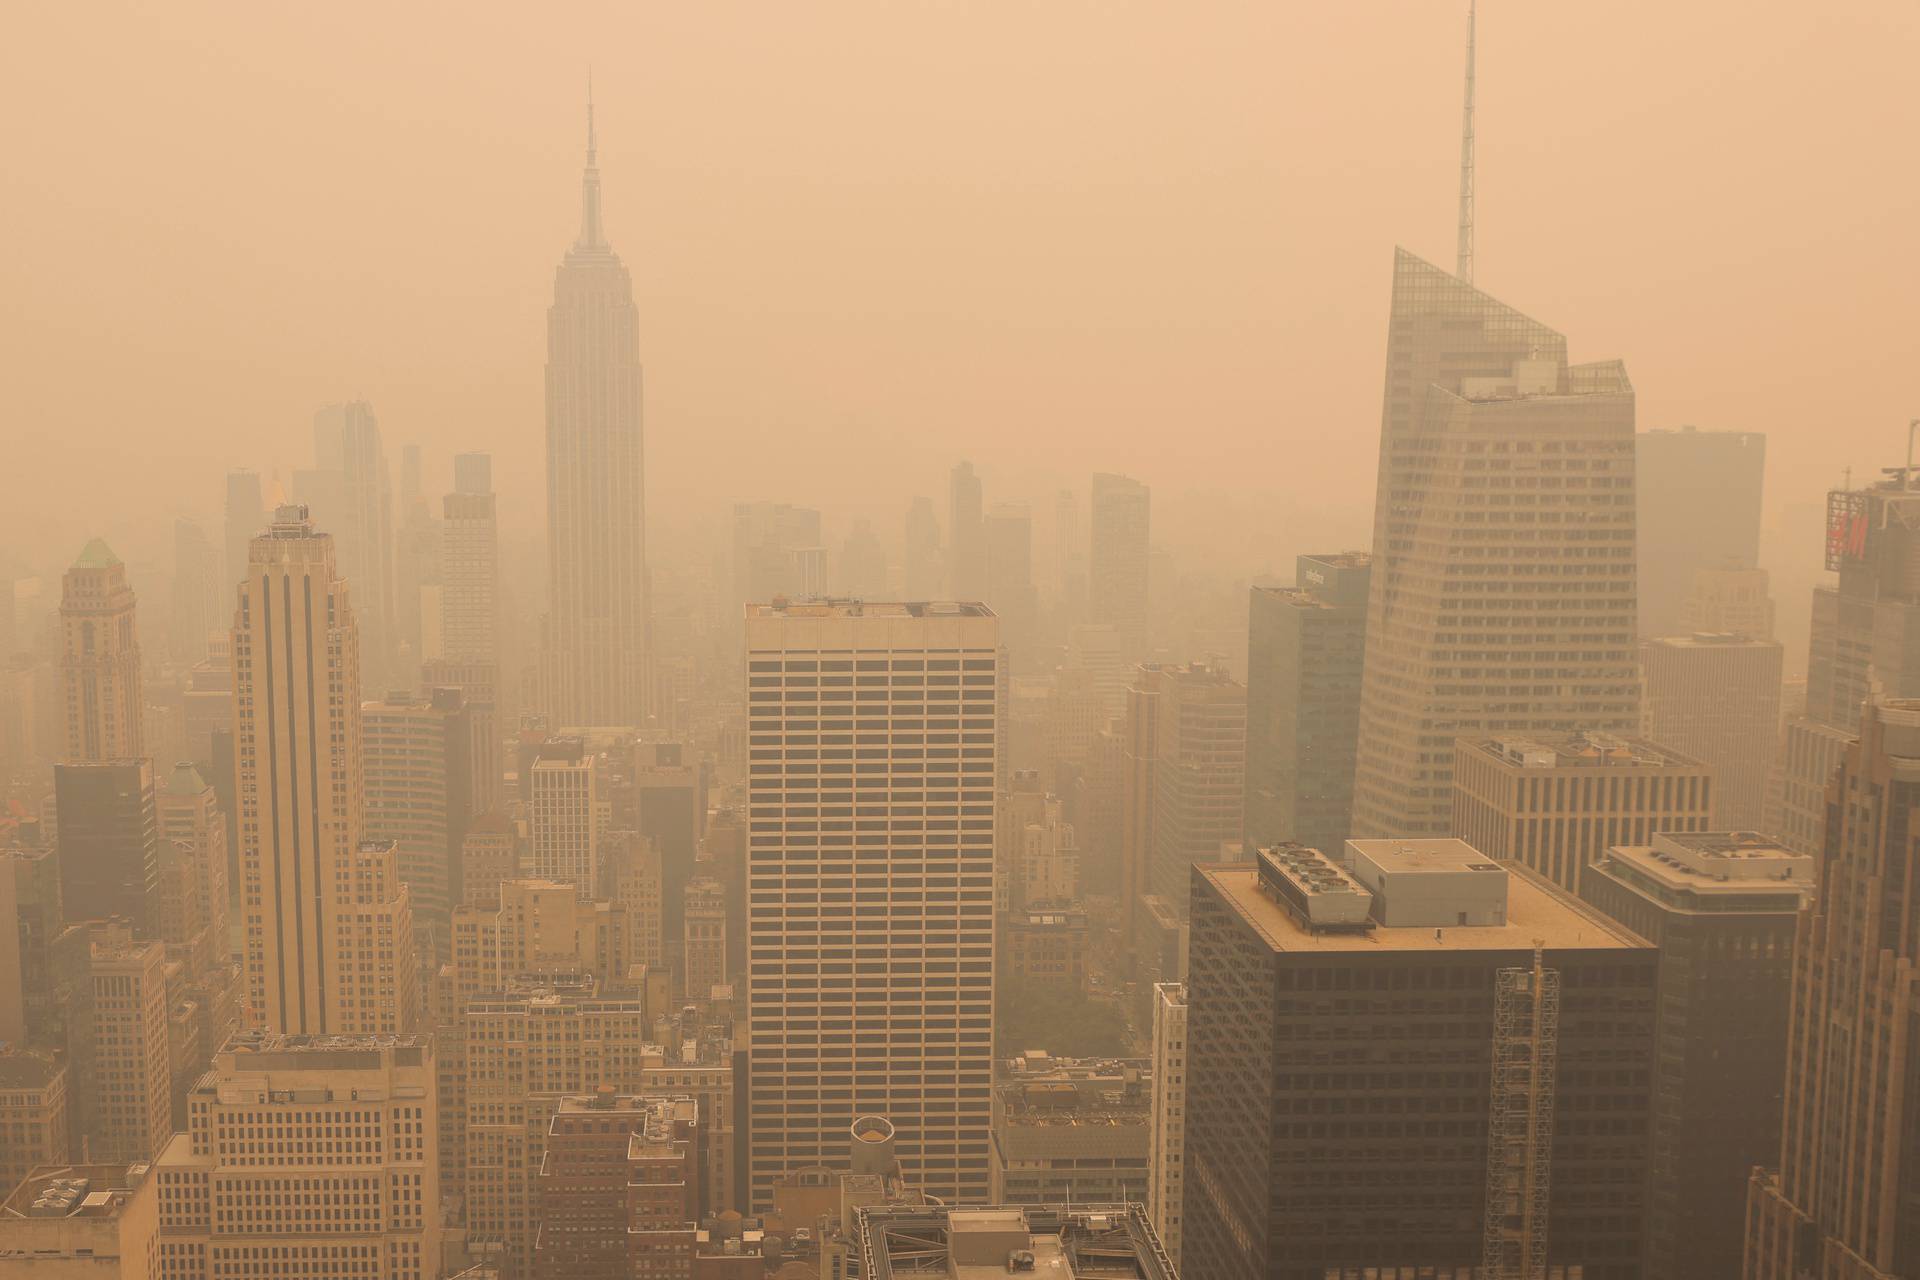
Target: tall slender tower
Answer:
[[100, 664], [593, 670], [314, 898]]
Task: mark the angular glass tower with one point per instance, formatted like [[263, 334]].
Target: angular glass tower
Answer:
[[1502, 597]]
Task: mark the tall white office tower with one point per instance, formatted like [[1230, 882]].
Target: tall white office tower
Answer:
[[320, 908], [594, 661], [873, 740]]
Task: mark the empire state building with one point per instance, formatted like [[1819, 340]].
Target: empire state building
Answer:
[[594, 665]]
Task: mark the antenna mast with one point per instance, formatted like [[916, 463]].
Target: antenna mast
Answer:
[[1463, 260]]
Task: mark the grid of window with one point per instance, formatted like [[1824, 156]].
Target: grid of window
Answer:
[[870, 926]]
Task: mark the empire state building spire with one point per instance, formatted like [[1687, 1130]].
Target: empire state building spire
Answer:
[[591, 236], [594, 663]]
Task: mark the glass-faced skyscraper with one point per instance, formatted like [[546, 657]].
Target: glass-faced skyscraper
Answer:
[[873, 740], [1502, 598], [593, 669]]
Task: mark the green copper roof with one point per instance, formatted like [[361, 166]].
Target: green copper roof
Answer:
[[96, 555], [186, 780]]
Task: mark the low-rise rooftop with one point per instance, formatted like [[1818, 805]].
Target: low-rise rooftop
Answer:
[[74, 1191], [1085, 1243], [835, 607]]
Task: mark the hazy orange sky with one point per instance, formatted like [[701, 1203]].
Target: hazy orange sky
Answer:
[[870, 238]]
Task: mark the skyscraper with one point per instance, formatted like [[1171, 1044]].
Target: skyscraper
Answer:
[[1721, 908], [1117, 563], [1716, 697], [129, 1081], [920, 565], [1699, 508], [200, 593], [1305, 647], [1865, 637], [305, 881], [1186, 779], [566, 836], [832, 992], [109, 839], [470, 587], [1007, 532], [1166, 1161], [245, 517], [594, 665], [966, 535], [1367, 1065], [1839, 1204], [100, 659], [1502, 598], [418, 768], [350, 493]]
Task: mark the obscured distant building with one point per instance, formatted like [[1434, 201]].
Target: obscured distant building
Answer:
[[1699, 508], [109, 839], [1728, 598], [1118, 560], [1046, 942], [1305, 650], [1716, 696]]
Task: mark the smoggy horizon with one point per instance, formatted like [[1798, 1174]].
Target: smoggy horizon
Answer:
[[871, 241]]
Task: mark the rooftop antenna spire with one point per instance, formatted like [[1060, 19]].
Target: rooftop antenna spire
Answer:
[[591, 236], [1463, 258]]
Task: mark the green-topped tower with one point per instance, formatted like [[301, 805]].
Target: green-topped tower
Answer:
[[100, 659]]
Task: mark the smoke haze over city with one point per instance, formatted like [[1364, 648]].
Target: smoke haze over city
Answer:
[[867, 238], [858, 641]]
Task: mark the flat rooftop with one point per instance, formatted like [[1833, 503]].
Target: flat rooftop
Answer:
[[1096, 1242], [1715, 640], [1444, 854], [279, 1042], [1581, 751], [74, 1191], [1725, 864], [1537, 914], [830, 607]]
